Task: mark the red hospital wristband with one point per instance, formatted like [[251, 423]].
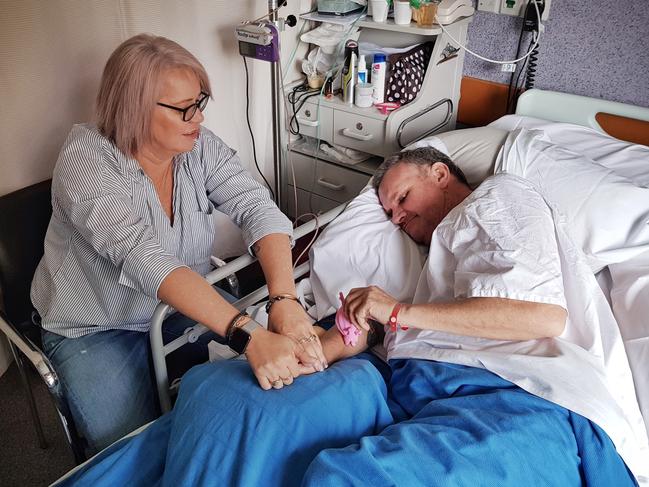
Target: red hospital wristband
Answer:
[[393, 318]]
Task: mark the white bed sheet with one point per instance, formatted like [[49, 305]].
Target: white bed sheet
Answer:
[[626, 284], [629, 293]]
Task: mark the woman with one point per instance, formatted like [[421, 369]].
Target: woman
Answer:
[[132, 224]]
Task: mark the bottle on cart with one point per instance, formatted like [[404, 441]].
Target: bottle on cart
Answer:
[[362, 70], [379, 69], [349, 77]]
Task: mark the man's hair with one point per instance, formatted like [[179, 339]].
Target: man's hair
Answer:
[[423, 156], [130, 87]]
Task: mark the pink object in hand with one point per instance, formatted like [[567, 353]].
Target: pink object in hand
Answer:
[[349, 332]]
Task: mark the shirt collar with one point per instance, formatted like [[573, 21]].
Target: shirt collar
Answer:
[[130, 167]]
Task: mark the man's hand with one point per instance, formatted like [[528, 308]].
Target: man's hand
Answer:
[[273, 359], [288, 318], [368, 303]]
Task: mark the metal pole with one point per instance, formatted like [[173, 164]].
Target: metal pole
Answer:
[[30, 397], [275, 86]]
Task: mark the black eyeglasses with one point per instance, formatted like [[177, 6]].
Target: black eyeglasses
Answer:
[[190, 111]]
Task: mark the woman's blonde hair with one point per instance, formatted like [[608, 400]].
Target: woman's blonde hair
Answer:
[[130, 86]]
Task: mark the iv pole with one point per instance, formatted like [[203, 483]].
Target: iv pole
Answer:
[[275, 86]]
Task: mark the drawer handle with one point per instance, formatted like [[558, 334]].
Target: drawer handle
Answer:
[[356, 135], [308, 123], [328, 185]]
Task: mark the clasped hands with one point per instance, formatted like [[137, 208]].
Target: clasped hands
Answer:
[[294, 348], [288, 349]]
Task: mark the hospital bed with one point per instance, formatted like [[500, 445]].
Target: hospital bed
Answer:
[[619, 257]]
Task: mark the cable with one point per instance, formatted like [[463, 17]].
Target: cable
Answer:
[[494, 61], [252, 136], [289, 122], [516, 89], [316, 231], [531, 69], [512, 89], [297, 104], [511, 77]]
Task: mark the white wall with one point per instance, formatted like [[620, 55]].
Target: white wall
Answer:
[[52, 54]]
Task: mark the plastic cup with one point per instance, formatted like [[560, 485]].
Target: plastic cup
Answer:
[[402, 12], [379, 10], [315, 81]]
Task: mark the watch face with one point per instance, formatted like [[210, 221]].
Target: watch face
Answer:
[[239, 340]]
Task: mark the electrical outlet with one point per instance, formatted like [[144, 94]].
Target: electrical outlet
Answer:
[[517, 8], [489, 6], [508, 67], [513, 7]]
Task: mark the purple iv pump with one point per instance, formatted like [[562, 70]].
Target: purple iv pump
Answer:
[[259, 41]]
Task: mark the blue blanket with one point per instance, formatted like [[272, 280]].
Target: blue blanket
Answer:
[[440, 424]]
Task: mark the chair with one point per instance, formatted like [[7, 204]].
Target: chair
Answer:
[[24, 217]]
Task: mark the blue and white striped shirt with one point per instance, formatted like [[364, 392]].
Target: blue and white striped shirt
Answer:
[[109, 244]]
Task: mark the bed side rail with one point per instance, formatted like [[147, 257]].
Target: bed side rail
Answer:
[[160, 351]]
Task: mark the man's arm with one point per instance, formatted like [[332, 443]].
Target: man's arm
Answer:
[[334, 346], [494, 318]]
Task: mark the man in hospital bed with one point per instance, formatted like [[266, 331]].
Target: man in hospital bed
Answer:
[[489, 382]]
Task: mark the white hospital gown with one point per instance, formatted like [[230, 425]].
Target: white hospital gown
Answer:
[[504, 241]]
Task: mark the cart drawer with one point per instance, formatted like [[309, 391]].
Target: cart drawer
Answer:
[[359, 132], [315, 121], [337, 183]]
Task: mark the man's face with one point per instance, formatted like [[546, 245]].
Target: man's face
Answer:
[[414, 197]]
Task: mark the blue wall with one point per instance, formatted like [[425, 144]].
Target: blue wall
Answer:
[[594, 48]]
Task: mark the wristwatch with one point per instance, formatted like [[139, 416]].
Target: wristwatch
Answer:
[[240, 336]]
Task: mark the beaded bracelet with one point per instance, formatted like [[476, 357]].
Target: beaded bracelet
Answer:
[[278, 297]]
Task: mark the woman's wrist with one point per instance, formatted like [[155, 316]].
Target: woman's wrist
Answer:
[[279, 300], [287, 317]]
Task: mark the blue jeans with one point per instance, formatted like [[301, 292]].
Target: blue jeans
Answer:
[[107, 377]]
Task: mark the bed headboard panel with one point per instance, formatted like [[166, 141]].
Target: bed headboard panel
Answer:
[[620, 120]]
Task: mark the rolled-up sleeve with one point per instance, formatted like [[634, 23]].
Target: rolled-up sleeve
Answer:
[[97, 201], [237, 194]]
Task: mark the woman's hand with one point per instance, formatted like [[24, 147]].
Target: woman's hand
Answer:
[[273, 359], [368, 303], [288, 318]]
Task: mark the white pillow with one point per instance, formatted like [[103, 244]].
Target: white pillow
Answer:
[[624, 158], [473, 150], [361, 248], [607, 215]]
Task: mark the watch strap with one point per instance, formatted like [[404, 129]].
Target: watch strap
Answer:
[[238, 329], [250, 326]]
